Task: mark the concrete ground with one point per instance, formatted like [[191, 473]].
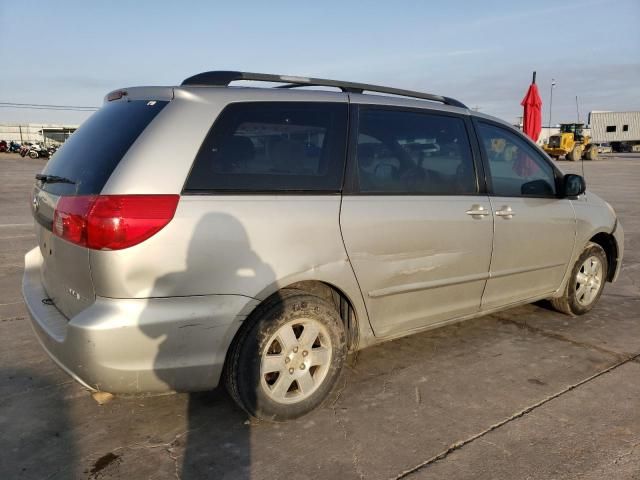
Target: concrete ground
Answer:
[[524, 394]]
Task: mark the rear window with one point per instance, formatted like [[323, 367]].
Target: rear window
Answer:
[[92, 153], [273, 146]]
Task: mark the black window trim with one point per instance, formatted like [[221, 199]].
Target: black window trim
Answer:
[[241, 192], [557, 174], [351, 183]]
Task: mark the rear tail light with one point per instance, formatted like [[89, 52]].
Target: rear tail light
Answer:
[[112, 222]]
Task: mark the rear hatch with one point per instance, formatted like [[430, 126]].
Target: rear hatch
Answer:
[[81, 168]]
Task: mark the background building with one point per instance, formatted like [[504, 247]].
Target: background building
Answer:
[[615, 126], [47, 134]]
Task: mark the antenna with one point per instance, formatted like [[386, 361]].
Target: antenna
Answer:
[[581, 155]]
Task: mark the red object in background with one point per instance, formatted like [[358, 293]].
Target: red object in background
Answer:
[[532, 118], [531, 126]]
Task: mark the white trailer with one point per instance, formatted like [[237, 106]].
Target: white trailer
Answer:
[[608, 127]]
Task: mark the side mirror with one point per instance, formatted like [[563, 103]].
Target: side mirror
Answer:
[[573, 185]]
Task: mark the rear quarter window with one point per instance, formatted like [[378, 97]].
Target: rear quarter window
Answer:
[[273, 147], [91, 154]]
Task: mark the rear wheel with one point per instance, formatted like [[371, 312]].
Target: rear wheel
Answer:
[[287, 358], [586, 283], [33, 154]]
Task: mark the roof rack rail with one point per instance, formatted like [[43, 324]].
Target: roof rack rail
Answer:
[[222, 78]]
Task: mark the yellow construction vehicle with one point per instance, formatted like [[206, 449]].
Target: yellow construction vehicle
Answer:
[[571, 143]]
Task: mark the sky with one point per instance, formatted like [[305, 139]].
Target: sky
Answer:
[[481, 52]]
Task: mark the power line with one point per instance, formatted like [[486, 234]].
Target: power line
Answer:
[[38, 106]]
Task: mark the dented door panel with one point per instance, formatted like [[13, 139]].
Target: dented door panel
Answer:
[[419, 260]]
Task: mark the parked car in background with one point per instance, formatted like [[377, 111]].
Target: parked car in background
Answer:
[[604, 148], [283, 228]]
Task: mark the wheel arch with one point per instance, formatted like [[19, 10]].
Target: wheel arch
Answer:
[[344, 305], [610, 246], [348, 311]]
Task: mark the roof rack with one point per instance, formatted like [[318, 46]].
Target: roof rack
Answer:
[[221, 78]]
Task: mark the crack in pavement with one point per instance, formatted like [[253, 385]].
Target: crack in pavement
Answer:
[[11, 303], [563, 338], [626, 454], [458, 445], [167, 446], [620, 295], [354, 456], [355, 460], [11, 319]]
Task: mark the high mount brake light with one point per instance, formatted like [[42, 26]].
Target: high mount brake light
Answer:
[[112, 222], [117, 95]]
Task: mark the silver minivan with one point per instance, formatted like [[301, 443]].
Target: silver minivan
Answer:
[[202, 233]]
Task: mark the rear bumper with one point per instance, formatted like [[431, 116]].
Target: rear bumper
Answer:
[[137, 345]]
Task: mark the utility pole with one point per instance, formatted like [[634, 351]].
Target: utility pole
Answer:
[[577, 109], [553, 84]]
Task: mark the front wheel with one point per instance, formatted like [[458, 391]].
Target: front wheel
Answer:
[[286, 360], [576, 154], [586, 283], [33, 154], [591, 154]]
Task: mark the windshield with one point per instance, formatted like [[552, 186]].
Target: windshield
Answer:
[[571, 128], [89, 157]]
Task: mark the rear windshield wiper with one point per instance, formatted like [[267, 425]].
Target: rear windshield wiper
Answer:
[[53, 179]]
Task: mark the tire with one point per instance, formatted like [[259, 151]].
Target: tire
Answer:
[[591, 154], [581, 293], [575, 154], [33, 154], [272, 360]]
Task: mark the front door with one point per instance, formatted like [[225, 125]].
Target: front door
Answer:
[[417, 230], [534, 228]]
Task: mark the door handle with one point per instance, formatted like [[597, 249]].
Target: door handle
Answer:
[[477, 211], [505, 212]]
